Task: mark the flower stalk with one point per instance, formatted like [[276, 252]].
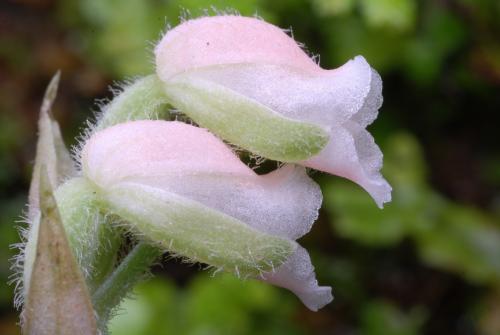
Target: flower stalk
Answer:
[[132, 269]]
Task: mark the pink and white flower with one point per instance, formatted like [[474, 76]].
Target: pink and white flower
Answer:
[[250, 83], [183, 188]]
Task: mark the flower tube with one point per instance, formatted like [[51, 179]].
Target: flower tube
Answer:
[[252, 84], [182, 188]]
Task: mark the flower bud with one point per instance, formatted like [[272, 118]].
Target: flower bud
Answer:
[[251, 84]]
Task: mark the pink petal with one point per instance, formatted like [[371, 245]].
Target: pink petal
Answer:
[[218, 40], [156, 148]]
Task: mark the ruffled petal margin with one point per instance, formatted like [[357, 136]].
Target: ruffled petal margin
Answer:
[[297, 275]]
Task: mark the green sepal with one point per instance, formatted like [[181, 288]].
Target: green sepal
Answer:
[[91, 233], [196, 232], [144, 99], [243, 121]]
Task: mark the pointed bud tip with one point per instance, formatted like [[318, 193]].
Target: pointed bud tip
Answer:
[[51, 92]]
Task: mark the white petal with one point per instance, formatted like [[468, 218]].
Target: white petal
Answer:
[[297, 275], [284, 202], [353, 154], [373, 101]]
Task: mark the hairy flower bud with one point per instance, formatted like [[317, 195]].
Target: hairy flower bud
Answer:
[[184, 189], [252, 84]]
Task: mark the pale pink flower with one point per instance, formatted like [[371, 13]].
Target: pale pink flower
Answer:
[[249, 59], [193, 174]]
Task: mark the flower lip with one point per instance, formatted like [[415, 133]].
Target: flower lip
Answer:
[[227, 39]]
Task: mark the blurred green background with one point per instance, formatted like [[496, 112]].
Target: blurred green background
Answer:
[[429, 263]]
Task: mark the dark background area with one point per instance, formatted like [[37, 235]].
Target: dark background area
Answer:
[[429, 263]]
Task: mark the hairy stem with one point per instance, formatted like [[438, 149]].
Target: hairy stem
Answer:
[[131, 270]]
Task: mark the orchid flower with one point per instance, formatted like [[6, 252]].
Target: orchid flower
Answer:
[[183, 189], [250, 83], [179, 188]]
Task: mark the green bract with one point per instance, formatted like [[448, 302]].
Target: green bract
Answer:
[[58, 301], [51, 151], [90, 231], [141, 100]]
